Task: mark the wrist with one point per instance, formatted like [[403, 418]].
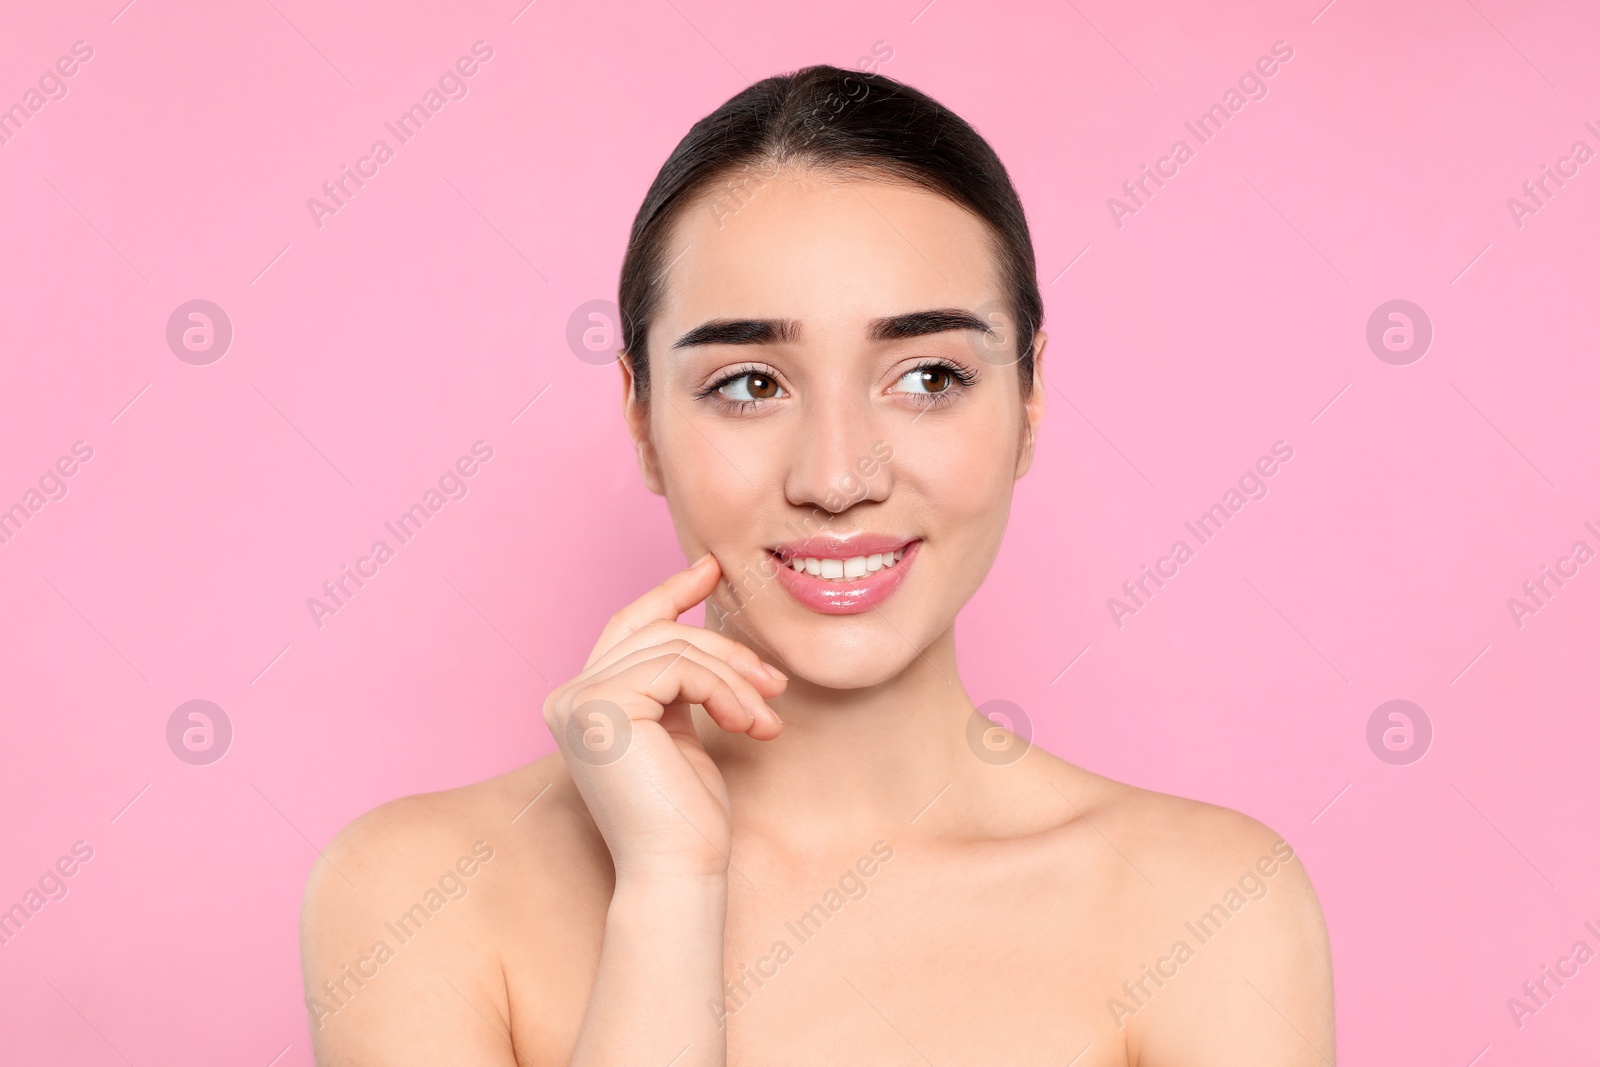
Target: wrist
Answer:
[[686, 900], [677, 888]]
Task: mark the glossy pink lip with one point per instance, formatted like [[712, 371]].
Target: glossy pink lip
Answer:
[[822, 547], [845, 598]]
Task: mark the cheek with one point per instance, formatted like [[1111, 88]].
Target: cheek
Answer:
[[966, 472], [708, 496]]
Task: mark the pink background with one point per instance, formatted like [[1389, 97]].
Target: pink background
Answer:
[[1228, 313]]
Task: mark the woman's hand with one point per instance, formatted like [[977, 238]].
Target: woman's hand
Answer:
[[624, 729]]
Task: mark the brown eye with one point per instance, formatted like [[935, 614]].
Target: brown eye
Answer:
[[750, 386], [929, 379]]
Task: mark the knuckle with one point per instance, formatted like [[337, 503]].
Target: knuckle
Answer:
[[582, 696], [622, 625], [720, 687], [678, 666], [676, 663]]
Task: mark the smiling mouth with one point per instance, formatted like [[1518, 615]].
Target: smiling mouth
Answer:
[[845, 579], [842, 569]]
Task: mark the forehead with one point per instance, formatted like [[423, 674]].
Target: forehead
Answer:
[[829, 251]]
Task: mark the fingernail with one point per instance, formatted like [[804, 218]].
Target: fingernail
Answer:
[[775, 672]]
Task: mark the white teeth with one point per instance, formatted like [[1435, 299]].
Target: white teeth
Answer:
[[845, 570]]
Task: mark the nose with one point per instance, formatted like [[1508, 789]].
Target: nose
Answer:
[[838, 451]]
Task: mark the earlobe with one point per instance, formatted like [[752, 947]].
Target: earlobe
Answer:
[[649, 469]]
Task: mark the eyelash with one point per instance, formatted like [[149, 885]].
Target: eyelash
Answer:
[[964, 379], [738, 406]]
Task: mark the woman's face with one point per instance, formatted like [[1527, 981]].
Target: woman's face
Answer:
[[821, 389]]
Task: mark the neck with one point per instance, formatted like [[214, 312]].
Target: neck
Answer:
[[852, 764]]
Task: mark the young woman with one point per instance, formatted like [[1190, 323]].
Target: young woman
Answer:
[[787, 837]]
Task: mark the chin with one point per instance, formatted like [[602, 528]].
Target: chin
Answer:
[[827, 651], [859, 667]]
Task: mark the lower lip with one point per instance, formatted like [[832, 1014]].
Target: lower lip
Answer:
[[847, 598]]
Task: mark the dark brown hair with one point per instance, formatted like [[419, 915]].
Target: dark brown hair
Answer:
[[836, 120]]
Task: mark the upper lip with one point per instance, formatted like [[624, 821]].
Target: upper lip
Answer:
[[863, 544]]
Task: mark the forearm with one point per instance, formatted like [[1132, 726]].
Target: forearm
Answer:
[[659, 978]]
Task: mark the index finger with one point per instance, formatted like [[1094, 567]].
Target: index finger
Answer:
[[666, 601]]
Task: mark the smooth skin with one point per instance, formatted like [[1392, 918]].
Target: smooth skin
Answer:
[[772, 839]]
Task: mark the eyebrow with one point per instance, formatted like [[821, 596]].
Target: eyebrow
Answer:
[[786, 331]]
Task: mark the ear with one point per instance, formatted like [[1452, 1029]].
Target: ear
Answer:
[[637, 416], [1033, 407]]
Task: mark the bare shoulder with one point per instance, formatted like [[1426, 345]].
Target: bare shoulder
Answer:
[[407, 913], [1188, 844], [1228, 958]]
